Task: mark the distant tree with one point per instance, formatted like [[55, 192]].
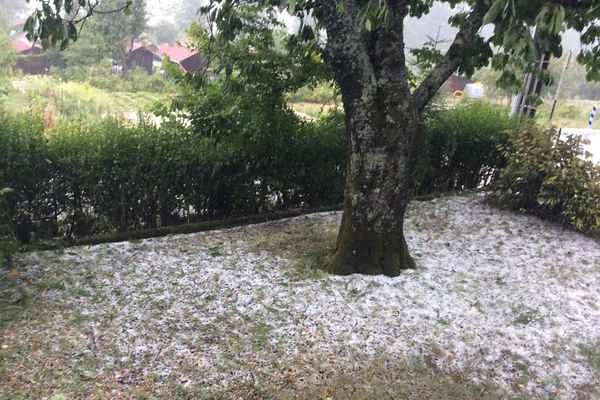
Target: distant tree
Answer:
[[364, 45], [574, 84], [186, 12], [108, 34], [165, 31]]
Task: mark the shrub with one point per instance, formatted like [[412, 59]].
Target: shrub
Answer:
[[273, 155], [8, 241], [457, 148], [92, 177], [551, 177], [24, 167]]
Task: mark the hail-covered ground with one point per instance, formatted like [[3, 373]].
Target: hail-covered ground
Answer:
[[501, 305]]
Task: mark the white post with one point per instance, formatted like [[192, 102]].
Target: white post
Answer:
[[592, 117]]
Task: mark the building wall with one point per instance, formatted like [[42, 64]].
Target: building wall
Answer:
[[34, 64], [192, 64], [141, 58]]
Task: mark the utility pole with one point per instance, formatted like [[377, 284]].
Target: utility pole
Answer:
[[560, 83], [532, 85]]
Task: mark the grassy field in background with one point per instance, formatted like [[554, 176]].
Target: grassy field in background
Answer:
[[569, 113], [74, 99]]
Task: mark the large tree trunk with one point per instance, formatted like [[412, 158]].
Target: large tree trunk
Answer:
[[380, 122], [371, 239], [381, 117]]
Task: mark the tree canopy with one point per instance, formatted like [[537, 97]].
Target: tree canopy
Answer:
[[108, 35]]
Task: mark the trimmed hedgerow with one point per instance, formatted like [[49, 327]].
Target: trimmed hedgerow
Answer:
[[85, 178], [8, 241], [457, 148], [235, 157]]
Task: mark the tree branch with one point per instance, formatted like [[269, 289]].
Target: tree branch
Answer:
[[92, 10], [454, 58], [574, 4]]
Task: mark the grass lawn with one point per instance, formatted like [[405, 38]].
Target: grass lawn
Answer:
[[500, 306], [569, 113]]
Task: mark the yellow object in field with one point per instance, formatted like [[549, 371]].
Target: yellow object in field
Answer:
[[458, 93]]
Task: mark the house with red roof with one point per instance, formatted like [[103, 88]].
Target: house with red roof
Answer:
[[185, 57], [31, 58], [142, 55], [24, 47]]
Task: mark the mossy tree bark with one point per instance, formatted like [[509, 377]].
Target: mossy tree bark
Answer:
[[381, 118]]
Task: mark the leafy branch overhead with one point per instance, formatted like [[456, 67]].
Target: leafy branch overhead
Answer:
[[58, 22]]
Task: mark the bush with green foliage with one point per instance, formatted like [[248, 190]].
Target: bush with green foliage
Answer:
[[24, 167], [550, 176], [299, 160], [457, 148], [8, 241]]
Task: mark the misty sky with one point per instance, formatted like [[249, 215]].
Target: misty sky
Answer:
[[416, 32]]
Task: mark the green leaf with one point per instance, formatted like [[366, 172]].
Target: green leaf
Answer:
[[291, 6], [30, 23], [493, 12], [558, 19], [72, 30]]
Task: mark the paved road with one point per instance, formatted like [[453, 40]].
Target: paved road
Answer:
[[593, 135]]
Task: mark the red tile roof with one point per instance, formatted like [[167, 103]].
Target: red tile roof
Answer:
[[176, 53], [21, 45], [136, 45]]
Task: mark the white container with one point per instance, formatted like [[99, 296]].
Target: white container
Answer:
[[475, 90]]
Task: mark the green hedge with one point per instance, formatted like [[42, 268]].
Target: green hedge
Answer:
[[457, 148], [85, 178], [8, 242], [237, 157]]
